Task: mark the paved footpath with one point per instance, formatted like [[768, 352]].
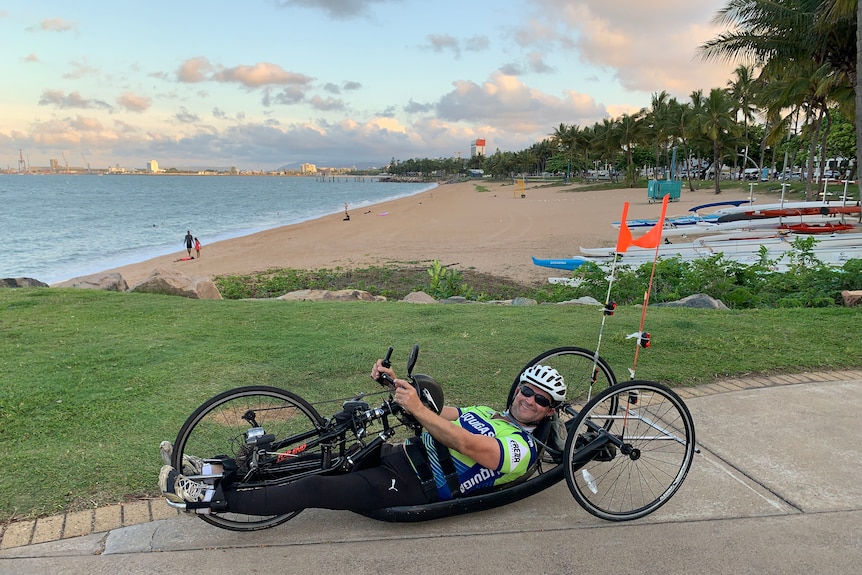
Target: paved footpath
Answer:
[[776, 489]]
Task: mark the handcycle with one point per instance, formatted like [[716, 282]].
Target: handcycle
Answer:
[[623, 448]]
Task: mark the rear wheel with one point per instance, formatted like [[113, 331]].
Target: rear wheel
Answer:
[[584, 372], [217, 429], [655, 433]]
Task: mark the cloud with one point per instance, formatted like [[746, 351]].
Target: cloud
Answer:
[[476, 44], [200, 69], [59, 99], [134, 103], [194, 70], [326, 104], [446, 43], [537, 63], [80, 70], [261, 74], [443, 42], [534, 63], [337, 9], [508, 104], [31, 58], [417, 108], [350, 85], [286, 97], [57, 25], [633, 40], [186, 117]]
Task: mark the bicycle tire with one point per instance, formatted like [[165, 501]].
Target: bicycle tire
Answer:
[[585, 373], [655, 423], [216, 428]]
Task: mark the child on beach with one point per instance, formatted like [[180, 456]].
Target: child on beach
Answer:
[[198, 247]]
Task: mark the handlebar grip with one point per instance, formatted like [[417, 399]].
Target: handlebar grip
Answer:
[[386, 359]]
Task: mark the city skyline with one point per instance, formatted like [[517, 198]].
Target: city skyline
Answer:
[[332, 82]]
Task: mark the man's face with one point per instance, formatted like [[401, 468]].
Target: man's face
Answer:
[[525, 409]]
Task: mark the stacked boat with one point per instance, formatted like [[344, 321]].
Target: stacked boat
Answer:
[[741, 232]]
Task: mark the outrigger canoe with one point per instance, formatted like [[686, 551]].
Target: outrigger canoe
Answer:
[[561, 263]]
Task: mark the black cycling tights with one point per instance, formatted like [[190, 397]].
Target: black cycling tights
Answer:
[[391, 483]]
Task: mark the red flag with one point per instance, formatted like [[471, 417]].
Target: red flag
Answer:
[[651, 239]]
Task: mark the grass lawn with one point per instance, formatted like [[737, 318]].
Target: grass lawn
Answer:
[[92, 381]]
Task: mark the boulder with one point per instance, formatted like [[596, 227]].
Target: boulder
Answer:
[[585, 300], [699, 300], [455, 299], [21, 282], [104, 281], [169, 282], [522, 301], [851, 297], [418, 297], [326, 295]]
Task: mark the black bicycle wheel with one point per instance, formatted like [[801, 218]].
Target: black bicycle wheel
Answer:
[[631, 481], [217, 428], [584, 372]]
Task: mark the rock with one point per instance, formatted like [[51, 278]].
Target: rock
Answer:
[[699, 300], [455, 299], [106, 281], [326, 295], [586, 300], [169, 282], [21, 282], [418, 297], [522, 301], [851, 297]]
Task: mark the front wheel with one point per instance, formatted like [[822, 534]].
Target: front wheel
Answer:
[[217, 428], [647, 458]]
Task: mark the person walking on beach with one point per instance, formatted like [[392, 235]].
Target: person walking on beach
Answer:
[[346, 215], [198, 247], [189, 239]]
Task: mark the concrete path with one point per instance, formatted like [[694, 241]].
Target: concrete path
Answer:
[[776, 489]]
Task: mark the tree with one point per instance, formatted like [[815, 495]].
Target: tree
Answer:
[[716, 123], [795, 37], [742, 89], [627, 132]]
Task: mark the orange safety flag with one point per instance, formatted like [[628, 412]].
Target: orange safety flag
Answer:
[[651, 239]]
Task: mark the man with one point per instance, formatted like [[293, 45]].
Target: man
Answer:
[[189, 240], [460, 451]]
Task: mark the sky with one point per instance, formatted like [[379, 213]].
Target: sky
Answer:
[[265, 84]]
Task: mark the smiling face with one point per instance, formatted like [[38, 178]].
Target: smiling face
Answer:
[[525, 409]]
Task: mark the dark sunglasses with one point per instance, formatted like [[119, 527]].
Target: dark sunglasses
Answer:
[[539, 399]]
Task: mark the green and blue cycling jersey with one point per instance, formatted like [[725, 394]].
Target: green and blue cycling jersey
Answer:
[[517, 452]]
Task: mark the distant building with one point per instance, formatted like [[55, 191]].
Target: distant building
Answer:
[[308, 169], [477, 148], [153, 167]]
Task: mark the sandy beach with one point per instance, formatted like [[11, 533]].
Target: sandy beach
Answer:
[[494, 231]]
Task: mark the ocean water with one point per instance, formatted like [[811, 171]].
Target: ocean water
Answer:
[[56, 227]]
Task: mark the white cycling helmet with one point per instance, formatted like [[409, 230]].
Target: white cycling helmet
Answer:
[[547, 379]]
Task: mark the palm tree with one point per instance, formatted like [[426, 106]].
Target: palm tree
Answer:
[[791, 33], [682, 122], [742, 89], [627, 132], [566, 139], [658, 122], [716, 123]]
